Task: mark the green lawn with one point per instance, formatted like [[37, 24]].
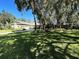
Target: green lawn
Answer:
[[40, 45], [3, 31]]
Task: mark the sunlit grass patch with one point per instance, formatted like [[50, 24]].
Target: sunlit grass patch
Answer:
[[74, 49], [7, 41], [3, 31]]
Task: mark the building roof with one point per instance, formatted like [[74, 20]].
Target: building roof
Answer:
[[25, 23]]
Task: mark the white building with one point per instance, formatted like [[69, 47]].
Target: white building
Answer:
[[22, 25]]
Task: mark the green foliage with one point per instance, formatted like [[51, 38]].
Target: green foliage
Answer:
[[22, 19], [64, 11], [6, 19]]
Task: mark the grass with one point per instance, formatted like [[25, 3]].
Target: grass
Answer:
[[40, 45], [9, 30], [3, 31]]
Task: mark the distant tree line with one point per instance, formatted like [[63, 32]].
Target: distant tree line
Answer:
[[7, 19]]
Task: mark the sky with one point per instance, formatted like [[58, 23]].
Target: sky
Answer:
[[10, 7]]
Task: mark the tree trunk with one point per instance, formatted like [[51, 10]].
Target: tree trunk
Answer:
[[35, 22], [44, 24], [71, 26]]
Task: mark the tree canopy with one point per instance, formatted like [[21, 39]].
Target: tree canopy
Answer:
[[6, 19], [46, 10]]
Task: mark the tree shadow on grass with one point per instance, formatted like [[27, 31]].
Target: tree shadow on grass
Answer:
[[33, 46]]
